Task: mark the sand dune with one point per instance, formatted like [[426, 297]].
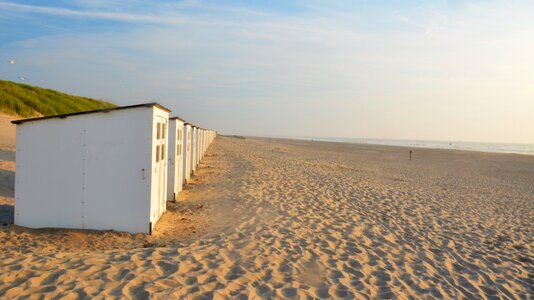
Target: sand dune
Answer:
[[291, 219]]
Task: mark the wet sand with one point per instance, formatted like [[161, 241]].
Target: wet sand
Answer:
[[295, 219]]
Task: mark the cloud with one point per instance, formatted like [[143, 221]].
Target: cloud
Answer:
[[96, 14], [370, 72]]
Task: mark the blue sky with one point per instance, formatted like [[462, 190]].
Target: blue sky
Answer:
[[438, 70]]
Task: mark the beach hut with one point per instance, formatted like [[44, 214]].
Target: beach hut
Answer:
[[175, 178], [203, 143], [188, 128], [194, 138], [199, 147], [103, 169], [206, 141]]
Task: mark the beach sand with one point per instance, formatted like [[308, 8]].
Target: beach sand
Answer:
[[7, 132], [295, 219], [7, 168]]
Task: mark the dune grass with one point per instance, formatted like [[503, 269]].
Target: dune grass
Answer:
[[235, 136], [31, 101]]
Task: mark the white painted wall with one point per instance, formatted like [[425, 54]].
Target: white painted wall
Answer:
[[206, 142], [91, 171], [201, 146], [49, 177], [187, 152], [194, 152], [175, 163], [159, 165], [197, 148], [200, 152]]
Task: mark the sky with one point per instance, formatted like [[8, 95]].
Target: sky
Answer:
[[448, 70]]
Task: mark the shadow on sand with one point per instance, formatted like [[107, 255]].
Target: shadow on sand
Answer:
[[7, 184], [7, 213], [7, 155]]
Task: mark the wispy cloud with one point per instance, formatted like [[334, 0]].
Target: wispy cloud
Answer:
[[369, 71], [114, 16]]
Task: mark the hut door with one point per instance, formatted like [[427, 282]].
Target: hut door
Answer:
[[161, 161], [179, 147]]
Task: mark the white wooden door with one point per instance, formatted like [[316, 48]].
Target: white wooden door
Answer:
[[161, 161], [188, 154], [179, 158]]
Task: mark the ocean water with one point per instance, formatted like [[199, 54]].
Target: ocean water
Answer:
[[526, 149]]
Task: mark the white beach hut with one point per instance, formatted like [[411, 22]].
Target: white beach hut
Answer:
[[199, 130], [103, 169], [194, 138], [187, 150], [206, 142], [175, 167], [200, 144], [199, 147], [203, 143]]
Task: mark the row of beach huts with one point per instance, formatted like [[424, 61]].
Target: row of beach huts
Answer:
[[111, 169]]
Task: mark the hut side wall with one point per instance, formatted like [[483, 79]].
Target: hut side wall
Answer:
[[48, 180], [73, 172], [117, 184]]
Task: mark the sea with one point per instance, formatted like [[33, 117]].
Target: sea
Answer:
[[525, 149]]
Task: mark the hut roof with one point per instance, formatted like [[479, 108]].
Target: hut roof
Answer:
[[91, 112], [178, 118]]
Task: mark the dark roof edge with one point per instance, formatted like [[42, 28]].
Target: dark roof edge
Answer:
[[159, 106], [197, 127], [92, 112], [177, 118]]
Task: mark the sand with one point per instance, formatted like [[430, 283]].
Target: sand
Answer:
[[293, 219], [7, 167], [7, 132]]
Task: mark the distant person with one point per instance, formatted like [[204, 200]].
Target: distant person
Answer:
[[410, 154]]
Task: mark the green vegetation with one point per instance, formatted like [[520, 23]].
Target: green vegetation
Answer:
[[235, 136], [31, 101]]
